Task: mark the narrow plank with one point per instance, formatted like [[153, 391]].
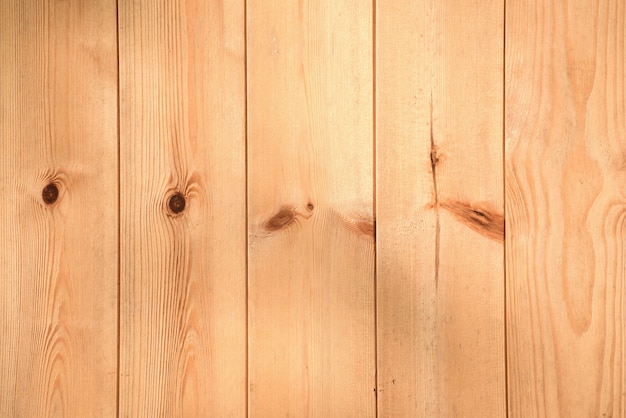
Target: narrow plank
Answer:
[[439, 206], [310, 177], [565, 208], [58, 286], [183, 278]]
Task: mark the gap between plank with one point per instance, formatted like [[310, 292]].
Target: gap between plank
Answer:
[[119, 212], [247, 351], [506, 352], [375, 208]]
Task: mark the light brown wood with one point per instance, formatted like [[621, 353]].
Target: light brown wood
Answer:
[[58, 286], [183, 275], [565, 208], [355, 111], [310, 177], [439, 205]]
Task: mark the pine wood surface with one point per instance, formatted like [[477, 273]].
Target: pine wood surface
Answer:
[[565, 208], [299, 208], [58, 286], [183, 275], [310, 190], [439, 196]]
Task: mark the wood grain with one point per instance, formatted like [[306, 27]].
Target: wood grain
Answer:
[[439, 206], [58, 286], [566, 208], [310, 177], [183, 269]]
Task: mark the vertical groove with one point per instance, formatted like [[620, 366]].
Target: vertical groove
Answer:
[[245, 82], [119, 211], [374, 2], [505, 305]]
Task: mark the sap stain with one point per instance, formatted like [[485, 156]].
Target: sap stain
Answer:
[[483, 220]]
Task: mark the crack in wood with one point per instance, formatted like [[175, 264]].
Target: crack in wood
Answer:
[[434, 159]]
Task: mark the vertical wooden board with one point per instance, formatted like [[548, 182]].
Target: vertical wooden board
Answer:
[[439, 194], [310, 190], [58, 286], [183, 275], [565, 208]]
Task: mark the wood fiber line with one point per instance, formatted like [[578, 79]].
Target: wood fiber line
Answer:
[[183, 223], [58, 218], [311, 226], [565, 208], [439, 198]]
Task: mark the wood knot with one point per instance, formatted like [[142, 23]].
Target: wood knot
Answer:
[[285, 216], [359, 223], [485, 221], [479, 216], [50, 193], [177, 203]]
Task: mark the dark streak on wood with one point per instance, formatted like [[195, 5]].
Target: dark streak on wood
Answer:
[[434, 159], [285, 217], [483, 220], [359, 223], [367, 228]]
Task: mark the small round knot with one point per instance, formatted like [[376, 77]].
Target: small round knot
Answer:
[[310, 206], [50, 193], [177, 203]]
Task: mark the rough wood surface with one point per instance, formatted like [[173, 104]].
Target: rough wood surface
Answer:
[[566, 208], [310, 177], [439, 205], [183, 223], [58, 285]]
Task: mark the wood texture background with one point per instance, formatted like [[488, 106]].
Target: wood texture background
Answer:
[[58, 286], [183, 276], [348, 169], [566, 208], [439, 195], [310, 189]]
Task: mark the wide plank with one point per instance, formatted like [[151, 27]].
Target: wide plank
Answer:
[[58, 213], [565, 208], [439, 208], [183, 224], [311, 230]]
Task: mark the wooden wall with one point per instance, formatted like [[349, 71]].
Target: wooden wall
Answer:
[[286, 208]]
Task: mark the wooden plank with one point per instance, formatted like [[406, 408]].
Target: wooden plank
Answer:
[[183, 278], [565, 208], [58, 286], [310, 176], [439, 194]]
